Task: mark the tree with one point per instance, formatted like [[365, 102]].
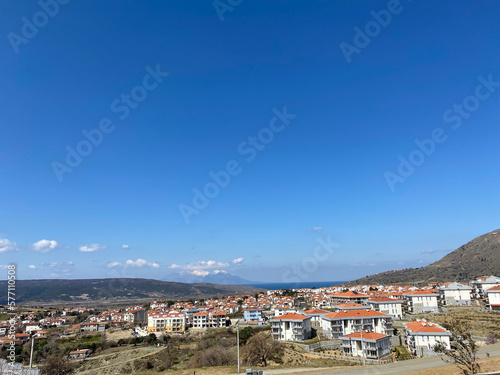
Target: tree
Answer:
[[57, 366], [245, 334], [464, 347], [261, 348]]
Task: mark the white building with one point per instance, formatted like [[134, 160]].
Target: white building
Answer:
[[420, 301], [343, 323], [169, 322], [422, 336], [482, 284], [389, 306], [293, 327], [493, 295], [456, 294], [370, 345]]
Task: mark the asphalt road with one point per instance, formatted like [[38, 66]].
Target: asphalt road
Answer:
[[388, 369]]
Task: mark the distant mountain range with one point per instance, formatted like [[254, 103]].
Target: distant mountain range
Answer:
[[120, 290], [479, 257], [215, 277]]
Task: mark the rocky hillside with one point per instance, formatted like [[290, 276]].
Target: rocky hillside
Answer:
[[479, 257]]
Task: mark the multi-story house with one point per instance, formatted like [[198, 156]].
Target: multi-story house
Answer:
[[218, 319], [419, 301], [135, 316], [422, 336], [291, 327], [455, 294], [201, 320], [167, 322], [386, 305], [349, 297], [493, 297], [370, 345], [482, 284], [342, 323], [253, 315]]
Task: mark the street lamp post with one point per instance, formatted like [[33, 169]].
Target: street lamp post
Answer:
[[362, 347], [238, 343]]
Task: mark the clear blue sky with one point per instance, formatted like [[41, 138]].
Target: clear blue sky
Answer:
[[324, 175]]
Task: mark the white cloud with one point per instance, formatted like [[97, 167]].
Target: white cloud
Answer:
[[219, 271], [237, 261], [44, 246], [6, 245], [315, 229], [91, 248], [125, 246], [201, 265], [3, 266], [200, 273], [31, 266], [132, 263]]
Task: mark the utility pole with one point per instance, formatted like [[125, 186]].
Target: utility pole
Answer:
[[238, 342], [362, 347], [31, 355]]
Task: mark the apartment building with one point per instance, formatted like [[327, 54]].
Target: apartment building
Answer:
[[291, 327], [253, 314], [370, 345], [386, 305], [420, 301], [343, 323], [167, 322], [422, 336], [493, 297], [455, 294], [349, 297]]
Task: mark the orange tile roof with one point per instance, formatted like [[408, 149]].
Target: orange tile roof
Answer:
[[291, 316], [350, 294], [495, 288], [351, 305], [316, 311], [367, 335], [424, 327], [354, 314]]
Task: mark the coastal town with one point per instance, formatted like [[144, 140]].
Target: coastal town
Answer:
[[374, 324]]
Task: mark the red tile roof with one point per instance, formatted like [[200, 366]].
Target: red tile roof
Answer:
[[367, 335], [316, 311], [291, 316], [355, 314], [424, 327]]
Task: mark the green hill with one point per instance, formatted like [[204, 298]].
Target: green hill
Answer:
[[116, 290], [479, 257]]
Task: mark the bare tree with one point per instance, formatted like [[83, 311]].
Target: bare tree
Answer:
[[261, 348], [464, 348], [57, 366]]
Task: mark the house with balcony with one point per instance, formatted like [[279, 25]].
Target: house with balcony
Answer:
[[422, 336], [493, 297], [386, 305], [291, 327], [315, 315], [136, 316], [482, 284], [370, 345], [349, 297], [455, 294], [253, 315], [343, 323], [168, 322], [421, 301]]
